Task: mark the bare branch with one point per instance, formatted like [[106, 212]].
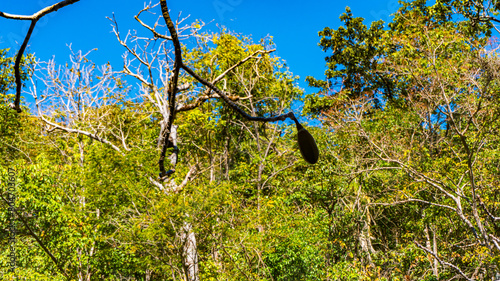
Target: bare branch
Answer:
[[207, 96], [490, 215], [414, 200], [252, 56], [201, 99], [80, 100], [33, 18], [155, 33], [76, 131], [41, 13], [443, 262], [235, 107]]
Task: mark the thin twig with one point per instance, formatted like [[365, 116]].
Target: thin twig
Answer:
[[415, 200]]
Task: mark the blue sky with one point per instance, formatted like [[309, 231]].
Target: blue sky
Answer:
[[293, 24]]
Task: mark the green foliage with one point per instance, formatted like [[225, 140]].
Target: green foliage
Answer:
[[9, 120], [355, 50], [409, 159], [411, 133]]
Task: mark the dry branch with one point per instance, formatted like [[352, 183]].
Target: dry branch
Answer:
[[34, 19], [443, 262], [84, 104], [172, 89]]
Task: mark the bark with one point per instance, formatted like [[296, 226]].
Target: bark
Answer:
[[365, 239], [190, 253], [434, 262]]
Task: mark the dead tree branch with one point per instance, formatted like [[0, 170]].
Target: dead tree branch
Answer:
[[172, 89], [86, 106], [34, 19], [443, 262]]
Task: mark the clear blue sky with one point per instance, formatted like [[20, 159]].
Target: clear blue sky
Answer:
[[293, 24]]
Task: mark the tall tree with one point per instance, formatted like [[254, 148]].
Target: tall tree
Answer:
[[135, 224], [415, 120]]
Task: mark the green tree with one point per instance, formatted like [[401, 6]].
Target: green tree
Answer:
[[89, 168], [10, 122], [414, 128]]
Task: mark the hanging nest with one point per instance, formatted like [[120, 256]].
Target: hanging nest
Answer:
[[307, 144]]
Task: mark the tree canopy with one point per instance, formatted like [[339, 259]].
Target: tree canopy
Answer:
[[405, 186]]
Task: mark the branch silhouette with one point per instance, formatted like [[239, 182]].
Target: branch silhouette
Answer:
[[34, 19], [307, 144]]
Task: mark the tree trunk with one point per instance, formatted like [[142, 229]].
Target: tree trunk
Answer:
[[365, 238], [190, 254]]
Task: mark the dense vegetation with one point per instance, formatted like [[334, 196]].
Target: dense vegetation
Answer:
[[406, 187]]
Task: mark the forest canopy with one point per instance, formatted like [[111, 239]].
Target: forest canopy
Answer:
[[197, 175]]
